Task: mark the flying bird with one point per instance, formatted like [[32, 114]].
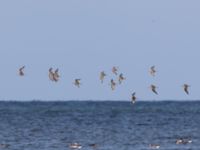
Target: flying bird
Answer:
[[102, 76], [185, 88], [114, 70], [133, 98], [21, 71], [51, 74], [121, 78], [56, 75], [113, 84], [152, 71], [153, 88], [77, 82]]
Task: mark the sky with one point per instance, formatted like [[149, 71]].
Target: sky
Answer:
[[84, 37]]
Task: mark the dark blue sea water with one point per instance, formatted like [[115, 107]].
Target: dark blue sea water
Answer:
[[109, 125]]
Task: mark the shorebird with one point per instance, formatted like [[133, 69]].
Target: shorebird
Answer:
[[183, 141], [114, 70], [121, 78], [154, 146], [185, 88], [152, 71], [75, 146], [21, 71], [153, 88], [102, 76], [113, 84], [77, 82], [133, 98], [56, 75], [51, 74]]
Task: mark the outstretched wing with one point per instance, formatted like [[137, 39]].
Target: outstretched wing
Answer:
[[154, 90], [186, 90]]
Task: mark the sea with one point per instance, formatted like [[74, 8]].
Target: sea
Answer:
[[100, 125]]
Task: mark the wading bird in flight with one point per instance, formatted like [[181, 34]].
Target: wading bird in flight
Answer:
[[102, 76], [114, 70], [153, 88], [77, 82], [185, 88], [153, 71], [56, 75], [113, 84], [21, 71], [51, 74], [121, 78], [133, 98]]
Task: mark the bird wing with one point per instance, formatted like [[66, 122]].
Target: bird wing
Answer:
[[51, 77], [154, 90], [152, 67], [186, 90]]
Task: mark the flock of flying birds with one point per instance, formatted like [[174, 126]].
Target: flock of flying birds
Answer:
[[54, 76]]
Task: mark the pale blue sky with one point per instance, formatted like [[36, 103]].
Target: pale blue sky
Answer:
[[84, 37]]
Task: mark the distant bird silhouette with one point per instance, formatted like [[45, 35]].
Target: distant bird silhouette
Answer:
[[153, 88], [56, 76], [51, 74], [185, 87], [152, 71], [21, 71], [114, 70], [133, 98], [102, 76], [113, 84], [121, 78], [77, 82]]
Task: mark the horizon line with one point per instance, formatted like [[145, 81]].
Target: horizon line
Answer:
[[90, 100]]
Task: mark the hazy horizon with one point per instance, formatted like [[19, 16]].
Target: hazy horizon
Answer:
[[100, 100]]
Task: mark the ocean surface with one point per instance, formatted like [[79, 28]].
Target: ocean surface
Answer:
[[108, 125]]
